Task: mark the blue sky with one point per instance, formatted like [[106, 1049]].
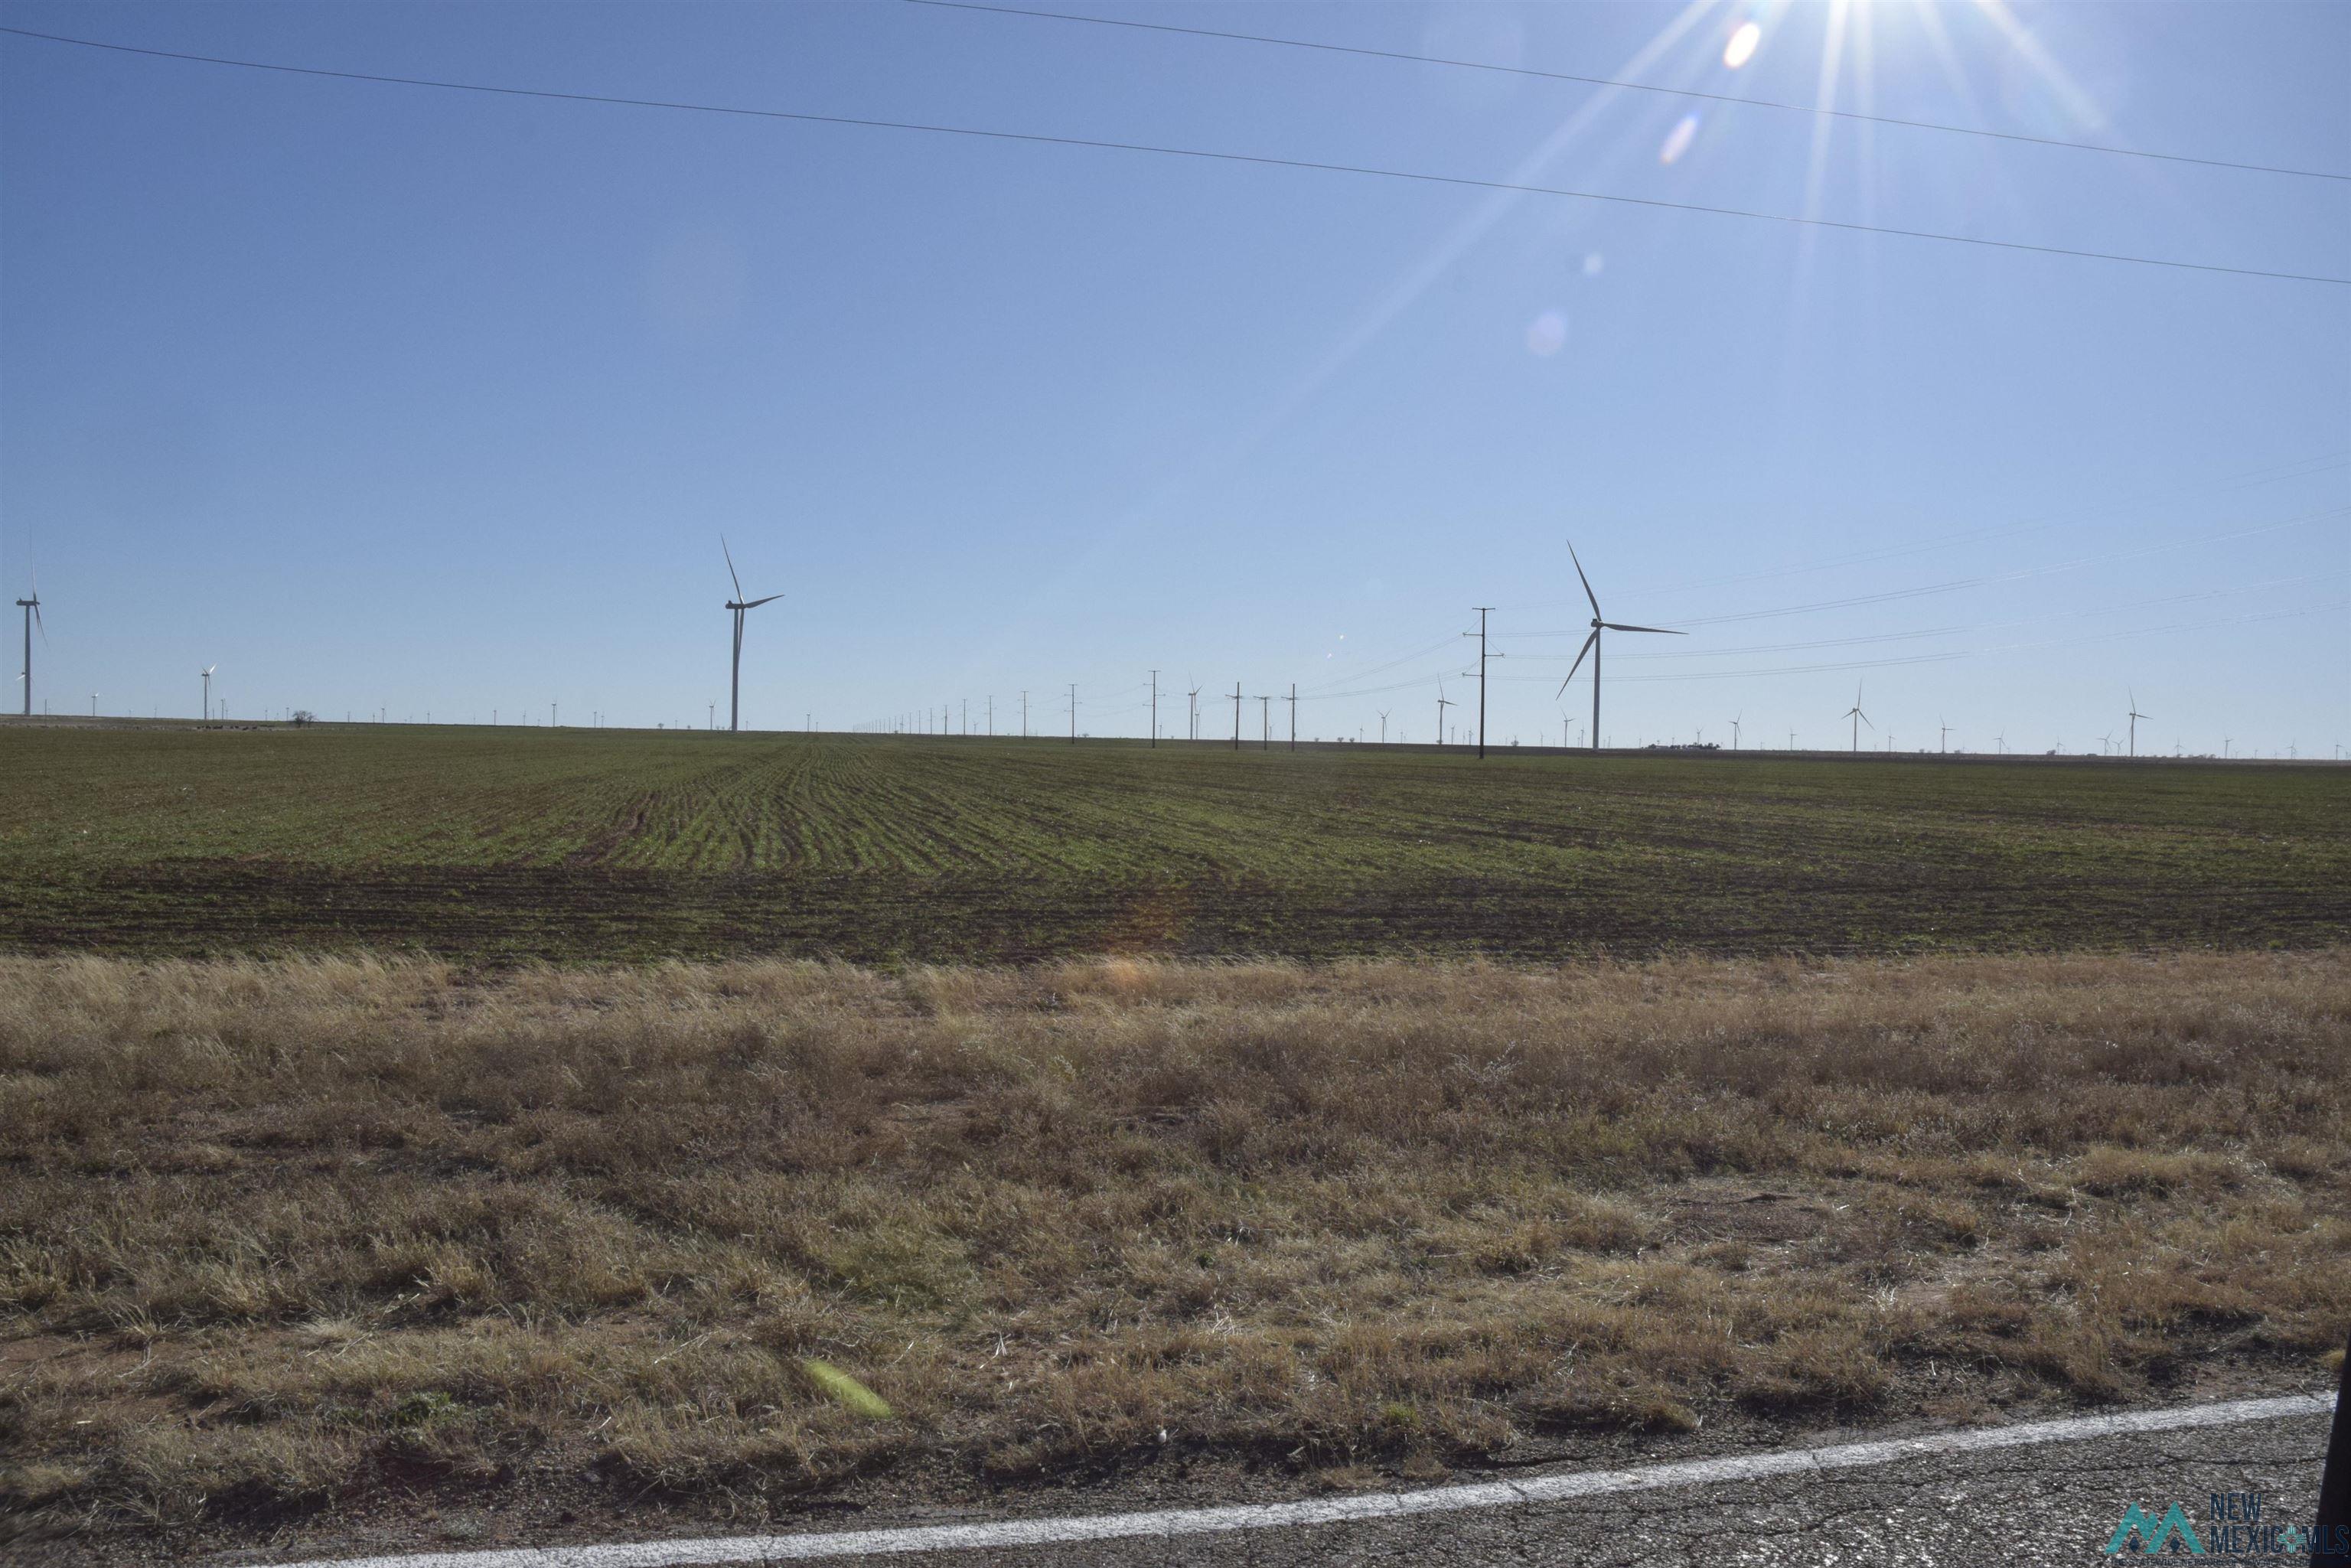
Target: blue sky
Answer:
[[437, 402]]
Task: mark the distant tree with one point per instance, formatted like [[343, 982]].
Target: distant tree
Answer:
[[302, 716]]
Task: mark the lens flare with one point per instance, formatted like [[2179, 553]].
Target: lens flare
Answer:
[[1593, 262], [1678, 140], [1546, 334], [1742, 47]]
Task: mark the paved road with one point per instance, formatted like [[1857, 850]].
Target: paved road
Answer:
[[2054, 1503], [2044, 1492]]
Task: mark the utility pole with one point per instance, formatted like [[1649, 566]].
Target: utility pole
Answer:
[[1293, 716], [1073, 713], [1482, 656], [1237, 715], [992, 716], [1265, 724], [1154, 710], [1024, 716]]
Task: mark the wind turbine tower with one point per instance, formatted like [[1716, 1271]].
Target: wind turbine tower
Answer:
[[1591, 645], [2135, 717], [1858, 717], [1443, 702], [741, 607], [207, 673], [32, 608]]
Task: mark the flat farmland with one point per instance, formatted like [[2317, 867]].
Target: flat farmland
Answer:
[[496, 846]]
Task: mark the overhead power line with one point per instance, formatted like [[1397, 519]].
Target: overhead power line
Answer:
[[1940, 656], [1965, 582], [1914, 636], [2299, 468], [2331, 609], [1637, 87], [1155, 150]]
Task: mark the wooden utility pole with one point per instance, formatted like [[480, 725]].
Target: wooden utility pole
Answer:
[[1237, 715], [1154, 710], [1024, 716], [1293, 716], [1073, 713], [1265, 724]]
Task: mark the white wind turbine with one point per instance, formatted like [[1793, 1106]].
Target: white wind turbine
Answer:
[[739, 605], [1858, 717], [32, 608], [1591, 645]]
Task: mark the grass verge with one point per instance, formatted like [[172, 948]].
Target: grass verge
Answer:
[[280, 1237]]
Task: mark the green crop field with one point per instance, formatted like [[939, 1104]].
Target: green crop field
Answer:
[[498, 844]]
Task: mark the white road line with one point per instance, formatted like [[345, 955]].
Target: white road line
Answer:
[[1347, 1509]]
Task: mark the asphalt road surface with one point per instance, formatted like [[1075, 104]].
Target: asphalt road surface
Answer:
[[2237, 1475], [2052, 1503]]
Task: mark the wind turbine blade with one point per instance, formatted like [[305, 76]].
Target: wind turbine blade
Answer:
[[38, 624], [1864, 718], [757, 602], [1586, 580], [1578, 665], [730, 564], [1668, 630]]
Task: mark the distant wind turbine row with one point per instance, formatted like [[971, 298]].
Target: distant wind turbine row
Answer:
[[740, 606]]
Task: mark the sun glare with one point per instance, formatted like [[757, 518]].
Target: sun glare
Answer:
[[1742, 47], [1678, 140]]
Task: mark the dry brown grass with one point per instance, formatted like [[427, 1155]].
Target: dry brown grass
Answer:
[[276, 1234]]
